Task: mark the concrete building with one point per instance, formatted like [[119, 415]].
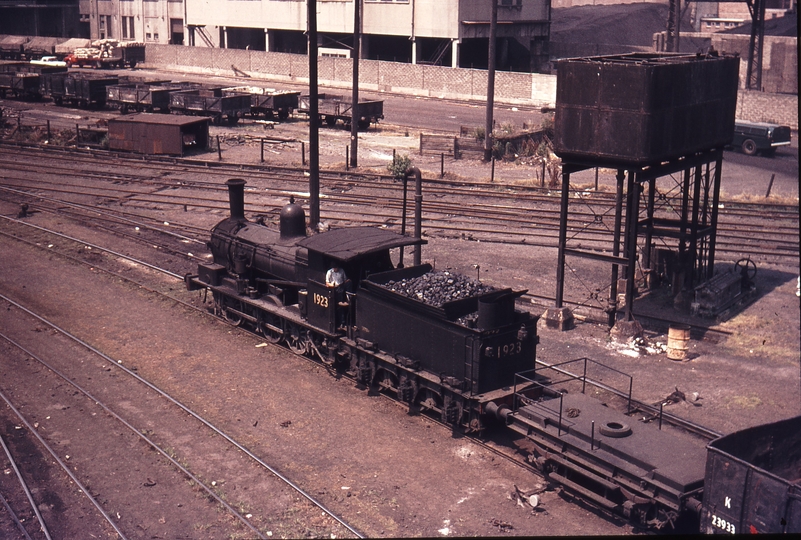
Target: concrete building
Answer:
[[55, 18], [719, 16], [147, 21], [444, 32]]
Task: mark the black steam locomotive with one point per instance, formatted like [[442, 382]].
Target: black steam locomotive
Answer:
[[453, 347], [469, 340]]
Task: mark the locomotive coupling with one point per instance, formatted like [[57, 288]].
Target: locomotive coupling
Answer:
[[501, 412]]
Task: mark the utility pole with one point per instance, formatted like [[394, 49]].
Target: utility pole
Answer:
[[314, 120], [490, 81], [354, 108]]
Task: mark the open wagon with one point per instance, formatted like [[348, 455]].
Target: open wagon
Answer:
[[215, 103], [332, 109]]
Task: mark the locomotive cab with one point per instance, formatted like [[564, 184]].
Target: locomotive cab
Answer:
[[359, 252]]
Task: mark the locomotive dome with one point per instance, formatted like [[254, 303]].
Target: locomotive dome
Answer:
[[292, 220]]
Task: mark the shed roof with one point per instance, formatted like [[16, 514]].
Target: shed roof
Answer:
[[348, 244], [71, 44], [161, 119]]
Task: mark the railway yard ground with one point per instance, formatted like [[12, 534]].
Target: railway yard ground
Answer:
[[350, 461]]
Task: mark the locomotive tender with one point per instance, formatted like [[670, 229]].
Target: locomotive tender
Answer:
[[465, 352]]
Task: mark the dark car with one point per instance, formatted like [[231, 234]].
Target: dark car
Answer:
[[753, 137]]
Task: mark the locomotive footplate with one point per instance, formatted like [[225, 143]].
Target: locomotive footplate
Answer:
[[629, 467]]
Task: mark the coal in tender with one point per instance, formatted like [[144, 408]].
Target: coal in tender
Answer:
[[439, 287]]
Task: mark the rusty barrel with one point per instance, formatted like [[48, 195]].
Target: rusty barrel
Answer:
[[678, 341]]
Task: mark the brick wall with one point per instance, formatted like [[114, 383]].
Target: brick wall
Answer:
[[765, 107], [374, 75], [532, 89], [779, 61]]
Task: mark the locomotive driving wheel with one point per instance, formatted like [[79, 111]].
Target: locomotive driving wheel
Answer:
[[272, 326], [271, 329], [297, 339], [233, 318]]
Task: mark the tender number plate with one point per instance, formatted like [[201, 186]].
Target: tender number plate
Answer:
[[721, 523]]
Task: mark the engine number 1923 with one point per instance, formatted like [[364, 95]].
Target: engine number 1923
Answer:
[[510, 348]]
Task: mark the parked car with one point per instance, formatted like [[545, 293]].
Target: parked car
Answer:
[[762, 137], [49, 61]]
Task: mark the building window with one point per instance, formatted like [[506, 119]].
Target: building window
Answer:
[[104, 26], [128, 31]]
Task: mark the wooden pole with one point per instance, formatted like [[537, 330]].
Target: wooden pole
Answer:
[[354, 108], [490, 81], [314, 120]]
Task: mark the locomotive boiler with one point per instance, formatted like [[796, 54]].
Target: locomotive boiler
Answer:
[[468, 342]]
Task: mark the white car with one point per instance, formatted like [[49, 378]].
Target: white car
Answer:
[[49, 61]]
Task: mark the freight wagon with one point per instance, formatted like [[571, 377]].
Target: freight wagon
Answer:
[[145, 97], [268, 102], [20, 85], [21, 79], [76, 89], [753, 481], [212, 102], [333, 109]]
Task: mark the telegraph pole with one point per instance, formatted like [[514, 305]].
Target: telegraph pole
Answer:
[[354, 109], [490, 81], [314, 120]]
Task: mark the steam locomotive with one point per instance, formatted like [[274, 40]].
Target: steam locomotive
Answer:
[[469, 341], [453, 347]]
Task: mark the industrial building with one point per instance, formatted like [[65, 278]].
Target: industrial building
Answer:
[[444, 32]]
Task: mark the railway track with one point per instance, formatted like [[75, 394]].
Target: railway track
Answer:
[[635, 404], [129, 402], [636, 407], [73, 249], [500, 213]]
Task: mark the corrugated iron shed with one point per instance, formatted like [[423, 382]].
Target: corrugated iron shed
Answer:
[[146, 133]]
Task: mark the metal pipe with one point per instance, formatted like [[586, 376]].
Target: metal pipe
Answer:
[[631, 271], [714, 218], [403, 213], [560, 263], [612, 306], [418, 209]]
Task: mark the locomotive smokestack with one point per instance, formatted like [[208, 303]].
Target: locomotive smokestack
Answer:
[[236, 197]]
